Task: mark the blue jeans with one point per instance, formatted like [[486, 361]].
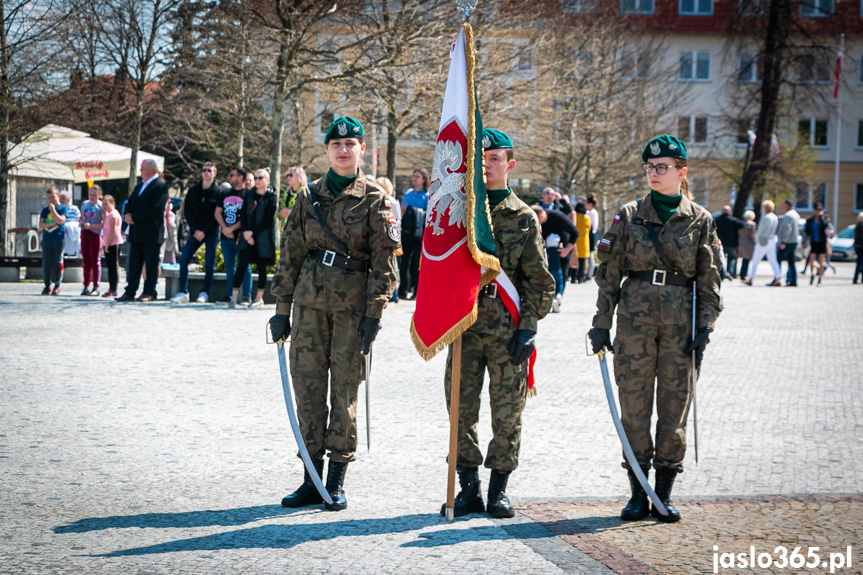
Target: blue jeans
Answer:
[[230, 251], [52, 260], [786, 254], [555, 269], [189, 250]]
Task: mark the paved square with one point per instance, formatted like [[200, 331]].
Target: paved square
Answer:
[[146, 438]]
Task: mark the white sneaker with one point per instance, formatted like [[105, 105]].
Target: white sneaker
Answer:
[[556, 303], [203, 297], [256, 304], [245, 302], [180, 297]]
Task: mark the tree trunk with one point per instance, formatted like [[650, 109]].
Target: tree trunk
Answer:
[[392, 141], [277, 130], [5, 182], [136, 137], [774, 55]]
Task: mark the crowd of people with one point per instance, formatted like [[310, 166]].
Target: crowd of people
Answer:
[[777, 238]]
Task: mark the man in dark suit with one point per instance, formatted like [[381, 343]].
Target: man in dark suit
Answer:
[[145, 214]]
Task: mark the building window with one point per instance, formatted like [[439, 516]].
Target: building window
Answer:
[[692, 129], [634, 65], [808, 193], [816, 69], [860, 133], [525, 61], [694, 67], [698, 188], [578, 6], [812, 132], [858, 198], [744, 127], [817, 8], [696, 7], [752, 8], [860, 67], [748, 69], [327, 118], [636, 6]]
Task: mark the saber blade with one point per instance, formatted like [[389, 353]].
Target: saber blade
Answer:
[[295, 425], [368, 401], [694, 379], [627, 449]]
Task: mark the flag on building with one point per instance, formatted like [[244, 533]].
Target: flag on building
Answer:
[[458, 251], [837, 74]]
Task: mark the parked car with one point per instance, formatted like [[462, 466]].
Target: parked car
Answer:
[[843, 245]]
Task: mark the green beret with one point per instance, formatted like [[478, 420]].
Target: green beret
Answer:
[[344, 127], [664, 146], [495, 140]]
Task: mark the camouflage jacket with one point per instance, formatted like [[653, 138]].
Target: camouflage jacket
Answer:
[[689, 242], [521, 252], [362, 219]]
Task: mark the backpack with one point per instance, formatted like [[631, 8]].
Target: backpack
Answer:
[[413, 223]]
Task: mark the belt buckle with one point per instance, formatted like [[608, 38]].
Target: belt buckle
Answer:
[[329, 258], [491, 290], [658, 277]]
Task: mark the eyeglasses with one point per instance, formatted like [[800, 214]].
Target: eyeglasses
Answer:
[[207, 169], [660, 169], [259, 177], [289, 175]]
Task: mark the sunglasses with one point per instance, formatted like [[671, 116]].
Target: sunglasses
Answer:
[[259, 177], [207, 170]]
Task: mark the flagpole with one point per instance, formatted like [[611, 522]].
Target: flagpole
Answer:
[[835, 217], [454, 394]]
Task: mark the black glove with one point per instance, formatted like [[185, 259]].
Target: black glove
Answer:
[[521, 346], [698, 344], [369, 328], [599, 338], [280, 327]]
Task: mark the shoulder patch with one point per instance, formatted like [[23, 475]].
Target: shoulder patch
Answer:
[[604, 245], [616, 218], [394, 230]]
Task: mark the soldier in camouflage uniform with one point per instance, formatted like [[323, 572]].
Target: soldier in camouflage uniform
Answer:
[[495, 343], [653, 342], [338, 278]]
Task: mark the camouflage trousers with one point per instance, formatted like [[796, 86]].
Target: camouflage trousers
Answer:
[[649, 359], [326, 349], [507, 391]]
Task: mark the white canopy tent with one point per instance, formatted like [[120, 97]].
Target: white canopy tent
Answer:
[[89, 159]]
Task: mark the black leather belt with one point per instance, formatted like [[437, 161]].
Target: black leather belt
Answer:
[[662, 278], [331, 258], [489, 290]]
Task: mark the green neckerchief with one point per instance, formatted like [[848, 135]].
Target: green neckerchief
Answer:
[[337, 184], [497, 196], [664, 205]]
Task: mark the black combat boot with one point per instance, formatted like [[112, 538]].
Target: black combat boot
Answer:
[[664, 482], [335, 481], [498, 502], [306, 494], [469, 498], [638, 506]]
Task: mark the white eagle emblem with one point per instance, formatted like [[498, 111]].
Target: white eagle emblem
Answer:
[[655, 149], [486, 142], [446, 190], [343, 129], [672, 146]]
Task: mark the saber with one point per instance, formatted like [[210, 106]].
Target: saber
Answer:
[[368, 413], [694, 403], [618, 425], [295, 426]]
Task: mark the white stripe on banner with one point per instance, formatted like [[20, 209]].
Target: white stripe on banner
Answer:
[[503, 282]]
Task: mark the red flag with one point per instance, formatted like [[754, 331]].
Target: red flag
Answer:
[[458, 252], [837, 73]]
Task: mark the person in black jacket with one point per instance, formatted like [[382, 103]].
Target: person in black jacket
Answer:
[[727, 227], [145, 216], [199, 211], [559, 235], [858, 247], [817, 232], [258, 240]]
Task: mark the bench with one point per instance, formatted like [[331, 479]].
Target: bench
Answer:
[[10, 268], [218, 290]]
